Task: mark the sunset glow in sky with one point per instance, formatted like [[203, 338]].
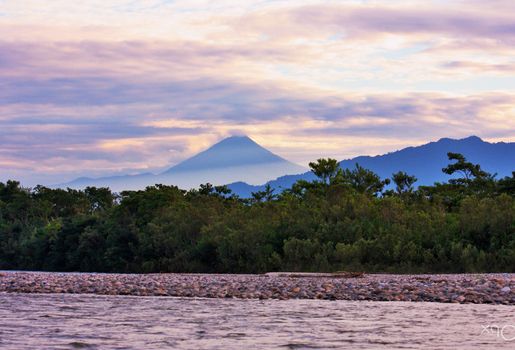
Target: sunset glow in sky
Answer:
[[94, 88]]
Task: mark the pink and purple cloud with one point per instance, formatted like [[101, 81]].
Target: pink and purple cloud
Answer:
[[110, 87]]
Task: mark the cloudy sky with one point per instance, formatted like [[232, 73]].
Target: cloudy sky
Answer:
[[94, 87]]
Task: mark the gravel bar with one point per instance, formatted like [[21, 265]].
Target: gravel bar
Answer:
[[496, 288]]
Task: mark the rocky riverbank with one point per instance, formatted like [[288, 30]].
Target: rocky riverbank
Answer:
[[456, 288]]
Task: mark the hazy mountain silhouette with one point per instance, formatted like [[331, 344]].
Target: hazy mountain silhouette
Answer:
[[236, 158], [425, 162], [233, 151]]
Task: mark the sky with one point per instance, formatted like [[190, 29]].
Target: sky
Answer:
[[95, 88]]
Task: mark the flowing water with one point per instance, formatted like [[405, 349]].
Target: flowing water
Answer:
[[55, 321]]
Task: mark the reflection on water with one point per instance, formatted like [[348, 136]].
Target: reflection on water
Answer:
[[121, 322]]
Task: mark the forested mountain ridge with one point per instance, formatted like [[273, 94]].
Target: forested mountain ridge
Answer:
[[425, 162]]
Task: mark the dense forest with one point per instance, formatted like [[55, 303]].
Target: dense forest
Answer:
[[345, 220]]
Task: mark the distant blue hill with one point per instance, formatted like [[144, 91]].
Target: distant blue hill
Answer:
[[425, 162]]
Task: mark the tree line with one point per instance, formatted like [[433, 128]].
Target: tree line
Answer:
[[347, 219]]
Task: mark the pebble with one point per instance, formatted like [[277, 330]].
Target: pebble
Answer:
[[450, 288]]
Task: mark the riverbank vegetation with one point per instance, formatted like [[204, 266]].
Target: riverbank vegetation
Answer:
[[346, 220]]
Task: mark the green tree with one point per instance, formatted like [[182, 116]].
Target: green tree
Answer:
[[403, 182], [362, 180], [267, 195], [325, 169], [507, 184], [469, 172]]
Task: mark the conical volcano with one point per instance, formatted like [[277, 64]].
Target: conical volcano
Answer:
[[234, 151], [236, 158]]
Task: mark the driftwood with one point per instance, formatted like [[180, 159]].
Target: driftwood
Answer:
[[338, 274]]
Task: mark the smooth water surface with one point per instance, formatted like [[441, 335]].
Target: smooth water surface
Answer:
[[63, 321]]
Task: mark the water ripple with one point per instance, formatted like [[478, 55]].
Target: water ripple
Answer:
[[121, 322]]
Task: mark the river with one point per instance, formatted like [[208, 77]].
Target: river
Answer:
[[68, 321]]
